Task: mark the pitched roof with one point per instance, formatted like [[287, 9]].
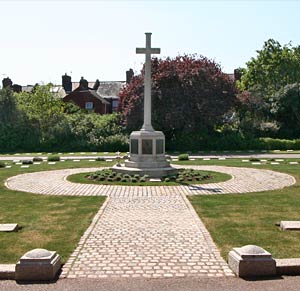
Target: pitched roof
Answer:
[[107, 89], [78, 92]]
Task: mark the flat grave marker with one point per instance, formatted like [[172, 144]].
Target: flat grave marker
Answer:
[[289, 225], [8, 227]]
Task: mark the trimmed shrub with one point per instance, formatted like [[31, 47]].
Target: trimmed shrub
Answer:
[[37, 159], [2, 165], [183, 157], [53, 158], [99, 159], [27, 162]]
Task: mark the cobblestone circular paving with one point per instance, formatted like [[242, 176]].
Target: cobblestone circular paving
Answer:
[[150, 232]]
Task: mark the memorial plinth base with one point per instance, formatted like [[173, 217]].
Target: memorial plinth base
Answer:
[[147, 155]]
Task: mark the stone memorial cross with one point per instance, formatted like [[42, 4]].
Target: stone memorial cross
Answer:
[[147, 126]]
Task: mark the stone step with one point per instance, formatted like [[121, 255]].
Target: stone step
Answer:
[[288, 266], [7, 271]]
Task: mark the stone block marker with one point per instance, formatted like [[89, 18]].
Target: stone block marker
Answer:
[[290, 225], [38, 265], [9, 227], [251, 261]]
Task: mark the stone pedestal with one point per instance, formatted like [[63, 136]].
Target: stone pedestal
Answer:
[[251, 261], [147, 155], [38, 265]]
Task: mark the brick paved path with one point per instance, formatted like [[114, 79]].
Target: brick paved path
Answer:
[[147, 231]]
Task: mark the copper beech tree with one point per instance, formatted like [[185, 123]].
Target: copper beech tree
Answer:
[[190, 93]]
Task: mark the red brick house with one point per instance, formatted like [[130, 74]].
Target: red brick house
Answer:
[[88, 98], [101, 97]]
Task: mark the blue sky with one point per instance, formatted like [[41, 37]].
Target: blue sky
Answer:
[[41, 40]]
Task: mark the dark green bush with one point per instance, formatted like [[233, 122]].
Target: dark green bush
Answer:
[[183, 157], [2, 164], [27, 162], [99, 159], [53, 158], [37, 159]]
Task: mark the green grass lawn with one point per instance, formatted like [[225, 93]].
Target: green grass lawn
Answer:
[[51, 222], [234, 220]]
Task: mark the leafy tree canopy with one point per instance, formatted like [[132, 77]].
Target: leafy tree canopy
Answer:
[[189, 94], [274, 67]]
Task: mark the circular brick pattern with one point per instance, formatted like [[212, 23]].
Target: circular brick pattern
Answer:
[[244, 180], [150, 232]]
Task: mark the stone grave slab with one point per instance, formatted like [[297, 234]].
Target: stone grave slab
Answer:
[[290, 225], [290, 151], [24, 166], [275, 163], [7, 271], [37, 163], [9, 227], [293, 163], [279, 160], [92, 160], [18, 163], [206, 159], [76, 160], [221, 159], [7, 167], [288, 266], [109, 160], [155, 180], [256, 163], [51, 163], [244, 161]]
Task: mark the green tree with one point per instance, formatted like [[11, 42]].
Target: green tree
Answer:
[[45, 110], [274, 67], [16, 132], [286, 110]]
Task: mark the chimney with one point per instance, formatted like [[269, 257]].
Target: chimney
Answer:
[[129, 75], [83, 84], [96, 85], [67, 83]]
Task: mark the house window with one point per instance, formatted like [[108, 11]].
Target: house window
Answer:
[[89, 105], [115, 104]]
